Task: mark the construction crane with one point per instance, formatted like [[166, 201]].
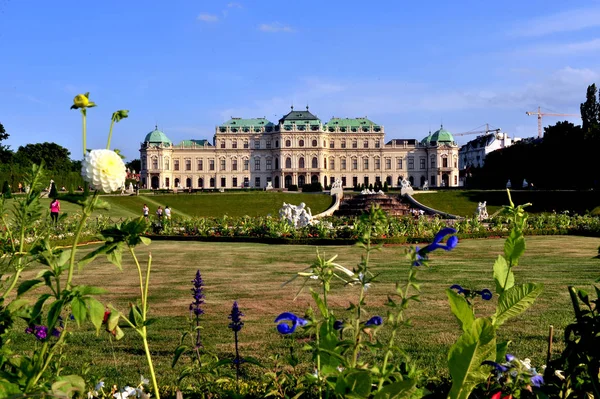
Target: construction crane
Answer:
[[539, 114], [486, 131]]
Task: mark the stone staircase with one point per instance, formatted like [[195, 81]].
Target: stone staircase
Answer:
[[357, 204]]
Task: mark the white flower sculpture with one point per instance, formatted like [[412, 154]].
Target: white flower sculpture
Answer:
[[104, 169]]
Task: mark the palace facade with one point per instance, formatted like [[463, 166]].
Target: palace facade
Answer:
[[297, 150]]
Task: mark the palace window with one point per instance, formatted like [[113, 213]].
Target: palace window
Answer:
[[433, 161], [343, 181], [399, 163], [276, 143], [154, 163], [223, 182], [411, 163], [331, 144], [246, 164], [257, 182], [343, 163], [422, 163], [234, 182], [388, 163], [332, 163], [188, 164], [325, 162], [377, 144], [444, 162], [175, 164], [366, 144], [166, 163], [315, 163], [343, 144], [354, 144], [354, 163], [288, 162], [314, 143], [200, 164], [355, 181], [268, 143], [234, 144], [365, 163], [288, 143], [222, 143], [377, 163], [301, 143], [212, 181], [301, 163], [245, 143], [222, 166], [269, 164], [276, 163], [211, 164], [256, 163], [257, 144], [234, 164]]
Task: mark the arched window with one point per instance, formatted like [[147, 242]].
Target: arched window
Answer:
[[288, 162], [276, 143], [154, 163], [315, 163], [325, 162], [366, 144], [314, 143], [301, 143], [288, 143], [276, 163], [200, 182], [301, 163], [332, 163]]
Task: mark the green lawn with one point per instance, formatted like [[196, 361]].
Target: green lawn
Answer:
[[464, 202], [252, 274]]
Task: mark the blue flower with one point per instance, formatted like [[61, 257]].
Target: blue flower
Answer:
[[509, 357], [537, 380], [374, 321], [458, 288], [486, 294], [338, 325], [295, 321], [197, 294], [236, 318], [497, 366], [451, 243]]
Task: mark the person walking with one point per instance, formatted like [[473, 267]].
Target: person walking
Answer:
[[159, 213], [54, 210], [146, 210], [167, 212]]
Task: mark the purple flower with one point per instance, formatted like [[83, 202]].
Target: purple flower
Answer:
[[197, 294], [509, 357], [537, 380], [486, 294], [451, 243], [497, 366], [374, 321], [40, 332], [236, 318], [338, 325], [295, 321], [458, 288], [29, 330]]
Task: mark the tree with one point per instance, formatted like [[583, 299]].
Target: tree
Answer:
[[134, 164], [6, 190], [590, 112], [53, 155], [5, 153], [53, 192]]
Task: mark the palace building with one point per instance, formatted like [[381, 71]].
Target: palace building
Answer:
[[297, 150]]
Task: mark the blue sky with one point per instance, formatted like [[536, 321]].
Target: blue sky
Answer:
[[190, 65]]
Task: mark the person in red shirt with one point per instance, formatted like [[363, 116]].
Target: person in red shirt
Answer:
[[54, 210]]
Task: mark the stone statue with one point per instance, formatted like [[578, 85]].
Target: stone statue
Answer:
[[297, 216], [406, 187], [425, 186], [405, 183], [508, 184], [269, 186], [525, 184], [336, 184], [482, 213], [130, 188], [337, 188]]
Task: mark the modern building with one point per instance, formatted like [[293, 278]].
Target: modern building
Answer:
[[474, 152], [297, 150]]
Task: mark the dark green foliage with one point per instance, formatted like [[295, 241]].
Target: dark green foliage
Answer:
[[134, 164], [385, 187], [54, 156], [6, 190], [590, 111], [293, 187], [53, 192], [371, 186], [312, 188]]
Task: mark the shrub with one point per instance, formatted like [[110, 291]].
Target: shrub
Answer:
[[385, 187], [293, 187], [53, 193], [6, 190], [312, 188]]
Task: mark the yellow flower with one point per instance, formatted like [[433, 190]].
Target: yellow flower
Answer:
[[104, 170], [82, 101]]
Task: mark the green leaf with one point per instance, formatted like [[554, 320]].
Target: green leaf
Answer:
[[461, 309], [118, 333], [54, 311], [9, 390], [66, 386], [135, 316], [501, 270], [145, 240], [398, 389], [515, 301], [96, 310], [115, 257], [79, 310], [28, 285], [465, 357], [320, 304], [178, 352], [358, 383], [85, 290], [501, 350], [113, 320]]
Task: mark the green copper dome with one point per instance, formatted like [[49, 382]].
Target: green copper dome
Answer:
[[156, 137], [439, 136]]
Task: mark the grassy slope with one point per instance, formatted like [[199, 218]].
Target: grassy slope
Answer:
[[464, 203], [253, 274]]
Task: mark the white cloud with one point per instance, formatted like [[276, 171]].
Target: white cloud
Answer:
[[275, 27], [565, 21], [208, 17], [561, 49], [234, 5]]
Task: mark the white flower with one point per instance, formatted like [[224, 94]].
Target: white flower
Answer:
[[126, 392], [99, 386], [314, 277], [144, 381], [104, 169]]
